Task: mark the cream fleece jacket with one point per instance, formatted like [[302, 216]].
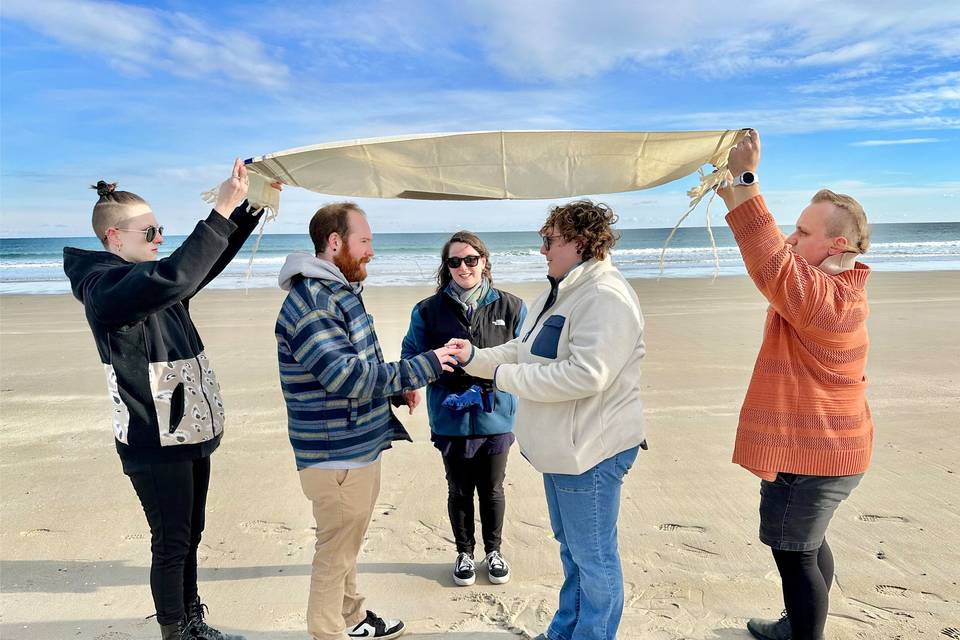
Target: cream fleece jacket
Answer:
[[576, 370]]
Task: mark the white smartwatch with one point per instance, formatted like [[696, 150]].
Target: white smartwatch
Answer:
[[745, 179]]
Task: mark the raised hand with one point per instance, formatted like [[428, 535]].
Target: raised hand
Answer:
[[745, 155], [233, 190]]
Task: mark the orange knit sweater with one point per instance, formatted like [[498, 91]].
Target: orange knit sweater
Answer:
[[805, 411]]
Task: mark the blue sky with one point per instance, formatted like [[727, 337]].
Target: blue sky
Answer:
[[860, 97]]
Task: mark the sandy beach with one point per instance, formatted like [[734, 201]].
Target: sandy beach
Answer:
[[75, 545]]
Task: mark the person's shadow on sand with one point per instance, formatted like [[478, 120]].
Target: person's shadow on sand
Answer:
[[74, 576], [129, 628]]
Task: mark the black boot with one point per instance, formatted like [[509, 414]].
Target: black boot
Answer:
[[196, 629], [771, 629], [171, 631]]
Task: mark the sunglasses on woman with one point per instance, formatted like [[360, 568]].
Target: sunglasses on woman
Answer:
[[151, 232], [470, 261]]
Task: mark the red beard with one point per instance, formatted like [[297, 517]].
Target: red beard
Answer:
[[353, 269]]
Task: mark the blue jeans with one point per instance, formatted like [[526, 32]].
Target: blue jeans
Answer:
[[583, 513]]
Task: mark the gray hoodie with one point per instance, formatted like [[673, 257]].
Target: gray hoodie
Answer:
[[301, 263]]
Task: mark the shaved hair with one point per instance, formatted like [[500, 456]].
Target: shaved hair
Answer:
[[848, 220], [112, 207]]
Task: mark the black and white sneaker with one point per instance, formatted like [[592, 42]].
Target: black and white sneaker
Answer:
[[497, 568], [374, 626], [464, 570]]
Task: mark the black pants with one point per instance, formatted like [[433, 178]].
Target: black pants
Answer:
[[807, 577], [483, 474], [174, 497]]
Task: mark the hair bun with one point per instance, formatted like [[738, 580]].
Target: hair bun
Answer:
[[104, 188]]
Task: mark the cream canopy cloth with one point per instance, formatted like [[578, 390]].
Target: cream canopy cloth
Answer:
[[496, 165], [492, 165]]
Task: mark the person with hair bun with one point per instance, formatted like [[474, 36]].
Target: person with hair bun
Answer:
[[167, 413], [575, 368], [471, 423]]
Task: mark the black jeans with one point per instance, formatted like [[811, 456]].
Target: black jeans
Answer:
[[174, 497], [483, 474]]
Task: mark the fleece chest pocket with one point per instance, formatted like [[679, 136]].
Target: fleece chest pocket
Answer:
[[545, 344]]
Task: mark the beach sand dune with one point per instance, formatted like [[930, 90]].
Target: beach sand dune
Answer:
[[75, 547]]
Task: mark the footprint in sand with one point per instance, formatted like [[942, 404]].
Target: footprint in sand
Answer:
[[519, 616], [114, 635], [951, 632], [670, 526], [133, 537], [868, 517], [903, 592], [263, 526], [697, 551], [31, 533], [384, 509]]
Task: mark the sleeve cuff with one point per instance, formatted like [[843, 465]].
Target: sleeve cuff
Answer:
[[434, 363], [220, 224]]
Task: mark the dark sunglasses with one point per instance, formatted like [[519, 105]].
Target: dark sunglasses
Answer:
[[548, 240], [470, 261], [149, 232]]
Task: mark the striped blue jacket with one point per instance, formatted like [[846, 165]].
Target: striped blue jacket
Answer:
[[334, 380]]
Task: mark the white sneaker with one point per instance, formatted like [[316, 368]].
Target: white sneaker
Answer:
[[464, 570], [497, 568], [373, 626]]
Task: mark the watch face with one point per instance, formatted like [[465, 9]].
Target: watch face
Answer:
[[747, 177]]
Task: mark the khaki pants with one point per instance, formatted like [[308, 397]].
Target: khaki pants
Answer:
[[343, 501]]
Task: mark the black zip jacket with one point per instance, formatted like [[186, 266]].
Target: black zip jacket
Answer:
[[165, 396]]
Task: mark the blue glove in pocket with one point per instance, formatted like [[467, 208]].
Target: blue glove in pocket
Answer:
[[472, 397]]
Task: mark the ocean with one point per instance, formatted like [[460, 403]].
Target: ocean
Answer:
[[35, 265]]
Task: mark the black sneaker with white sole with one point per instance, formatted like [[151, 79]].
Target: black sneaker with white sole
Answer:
[[498, 571], [464, 570], [373, 626]]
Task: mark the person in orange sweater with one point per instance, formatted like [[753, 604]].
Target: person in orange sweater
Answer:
[[804, 427]]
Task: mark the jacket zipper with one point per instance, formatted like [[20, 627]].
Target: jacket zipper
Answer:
[[543, 311]]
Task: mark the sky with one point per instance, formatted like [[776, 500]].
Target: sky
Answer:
[[859, 97]]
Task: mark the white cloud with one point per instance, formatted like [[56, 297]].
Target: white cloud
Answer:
[[552, 40], [883, 143], [137, 41]]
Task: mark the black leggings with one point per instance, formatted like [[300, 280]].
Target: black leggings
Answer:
[[174, 497], [484, 474], [807, 577]]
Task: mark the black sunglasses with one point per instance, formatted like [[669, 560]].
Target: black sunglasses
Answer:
[[150, 232], [470, 261], [548, 240]]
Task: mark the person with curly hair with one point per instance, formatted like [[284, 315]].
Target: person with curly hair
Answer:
[[575, 368]]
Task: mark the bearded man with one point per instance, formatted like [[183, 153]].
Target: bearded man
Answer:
[[338, 392]]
